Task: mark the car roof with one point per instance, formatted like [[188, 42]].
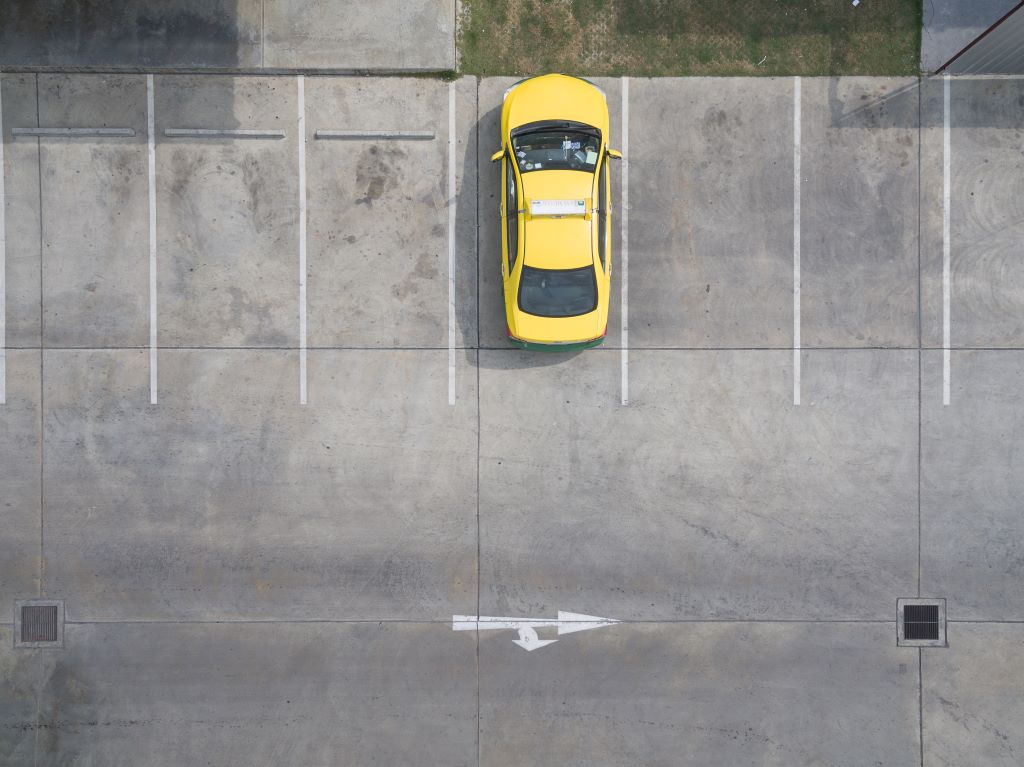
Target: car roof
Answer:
[[558, 242]]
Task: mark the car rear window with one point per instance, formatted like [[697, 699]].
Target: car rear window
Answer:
[[558, 292]]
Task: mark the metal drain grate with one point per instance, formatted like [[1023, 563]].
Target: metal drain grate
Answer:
[[921, 622], [39, 623]]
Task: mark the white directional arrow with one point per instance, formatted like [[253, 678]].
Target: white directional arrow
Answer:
[[565, 623]]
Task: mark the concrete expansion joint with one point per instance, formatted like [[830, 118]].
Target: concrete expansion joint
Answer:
[[390, 72]]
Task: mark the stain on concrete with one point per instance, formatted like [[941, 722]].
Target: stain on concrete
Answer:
[[424, 269], [378, 171]]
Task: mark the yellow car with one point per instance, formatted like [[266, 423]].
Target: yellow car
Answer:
[[556, 213]]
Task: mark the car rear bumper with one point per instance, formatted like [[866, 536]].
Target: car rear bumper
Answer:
[[533, 346]]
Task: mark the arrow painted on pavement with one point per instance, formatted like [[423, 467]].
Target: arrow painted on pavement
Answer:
[[565, 623]]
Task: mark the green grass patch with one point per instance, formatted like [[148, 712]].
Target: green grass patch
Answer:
[[690, 37]]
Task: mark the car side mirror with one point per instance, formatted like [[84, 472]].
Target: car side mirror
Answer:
[[615, 154], [497, 155]]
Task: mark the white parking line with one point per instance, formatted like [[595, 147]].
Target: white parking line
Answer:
[[222, 133], [946, 159], [301, 83], [72, 132], [796, 240], [451, 243], [625, 241], [3, 265], [151, 142], [407, 135]]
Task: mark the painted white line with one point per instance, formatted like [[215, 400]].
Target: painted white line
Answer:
[[222, 133], [565, 623], [796, 241], [625, 242], [3, 265], [72, 132], [946, 161], [451, 243], [301, 82], [151, 143], [357, 135]]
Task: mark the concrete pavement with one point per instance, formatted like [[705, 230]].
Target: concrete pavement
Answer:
[[248, 35], [250, 579]]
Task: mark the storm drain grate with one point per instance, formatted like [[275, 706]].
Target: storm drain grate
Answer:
[[39, 623], [922, 623]]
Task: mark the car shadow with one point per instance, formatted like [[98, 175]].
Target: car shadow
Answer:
[[511, 358]]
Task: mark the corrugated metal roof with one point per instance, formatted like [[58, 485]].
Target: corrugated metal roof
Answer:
[[1000, 51]]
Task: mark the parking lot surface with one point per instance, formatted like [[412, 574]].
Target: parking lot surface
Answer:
[[263, 435]]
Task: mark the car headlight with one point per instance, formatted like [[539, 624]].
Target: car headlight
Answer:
[[512, 87]]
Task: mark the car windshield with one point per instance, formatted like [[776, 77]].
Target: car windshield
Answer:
[[558, 292], [556, 149]]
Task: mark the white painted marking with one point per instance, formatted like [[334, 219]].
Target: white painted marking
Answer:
[[565, 623], [362, 135], [625, 242], [558, 207], [946, 162], [451, 243], [301, 83], [3, 265], [222, 133], [151, 144], [796, 241], [72, 132]]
